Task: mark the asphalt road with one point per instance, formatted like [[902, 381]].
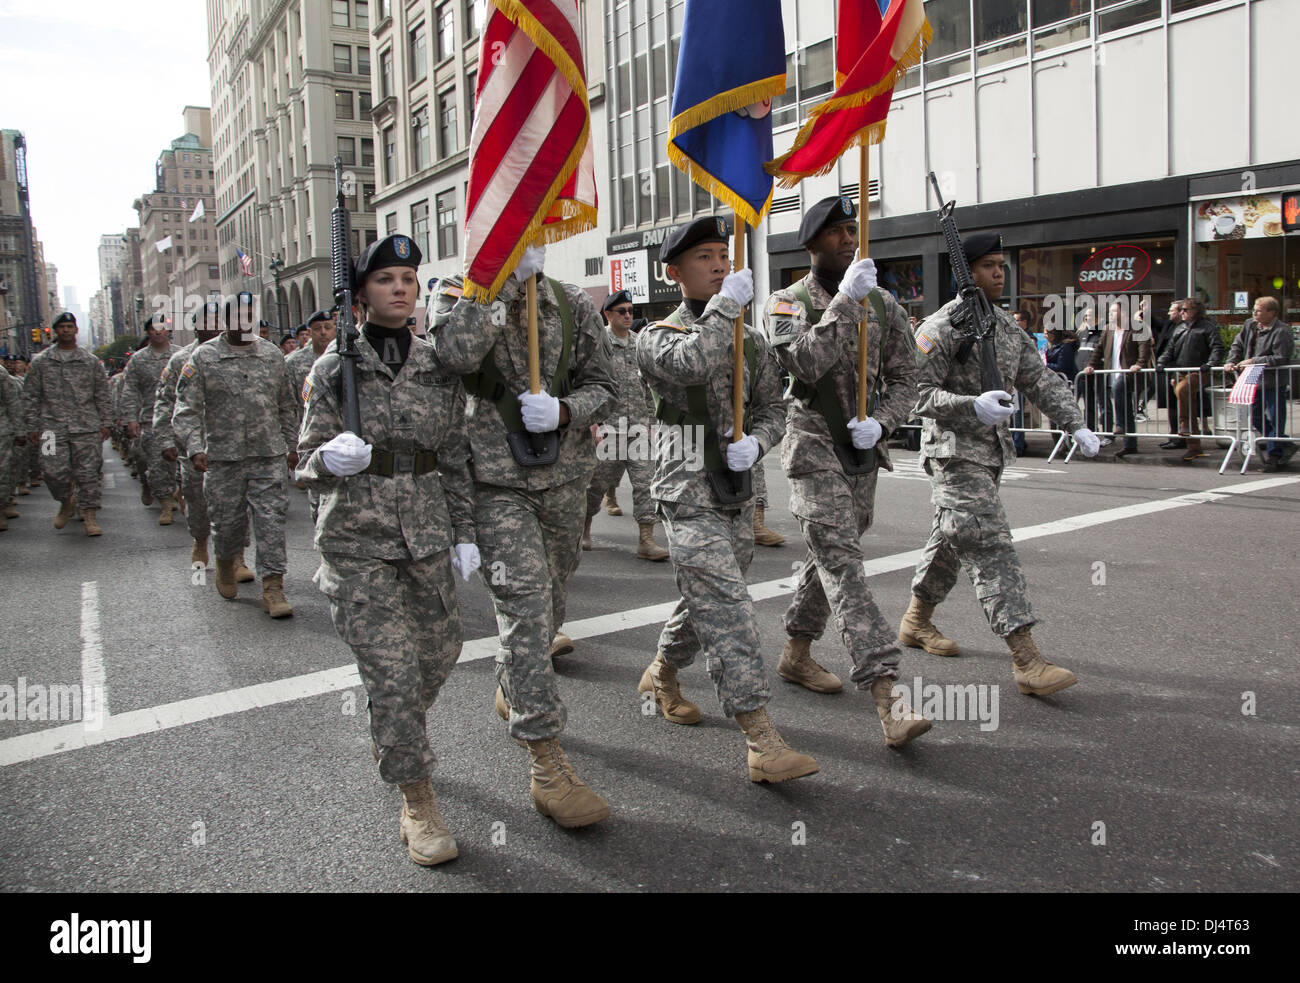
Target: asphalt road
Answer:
[[1177, 616]]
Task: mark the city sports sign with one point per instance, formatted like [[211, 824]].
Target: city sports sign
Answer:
[[1114, 269]]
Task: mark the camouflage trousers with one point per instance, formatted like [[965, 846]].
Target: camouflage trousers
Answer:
[[76, 464], [608, 474], [9, 476], [710, 552], [162, 472], [32, 461], [760, 481], [232, 490], [196, 506], [834, 510], [970, 530], [528, 541], [401, 620]]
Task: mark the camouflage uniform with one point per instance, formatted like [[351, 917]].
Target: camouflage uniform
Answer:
[[11, 426], [196, 506], [965, 459], [67, 395], [385, 542], [632, 407], [299, 364], [528, 520], [710, 544], [139, 390], [835, 509], [236, 405]]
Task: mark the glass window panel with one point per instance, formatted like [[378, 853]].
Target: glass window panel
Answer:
[[363, 61], [340, 13], [627, 192], [997, 19], [623, 81], [703, 200], [419, 54], [911, 80], [681, 193], [661, 121], [1177, 6], [1050, 11], [343, 59], [625, 130], [938, 71], [817, 73], [659, 72], [363, 15], [999, 53], [1068, 33], [640, 94], [1134, 13], [662, 209], [790, 96], [950, 21], [343, 104]]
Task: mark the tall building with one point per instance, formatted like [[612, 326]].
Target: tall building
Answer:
[[299, 71], [129, 277], [424, 68], [21, 258], [178, 248]]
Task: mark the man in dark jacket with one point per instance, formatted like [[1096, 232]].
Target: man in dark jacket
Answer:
[[1266, 340], [1195, 347]]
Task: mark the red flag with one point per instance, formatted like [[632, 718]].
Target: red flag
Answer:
[[531, 173], [874, 48]]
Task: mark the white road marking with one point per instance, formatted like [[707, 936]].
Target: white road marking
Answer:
[[134, 723], [94, 693]]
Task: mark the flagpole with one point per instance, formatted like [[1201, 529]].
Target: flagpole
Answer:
[[863, 235], [738, 343], [534, 357]]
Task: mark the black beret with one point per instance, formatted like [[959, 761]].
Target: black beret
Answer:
[[682, 237], [828, 211], [288, 337], [396, 250], [64, 318], [617, 297], [263, 323], [300, 329], [981, 244], [318, 316], [155, 321]]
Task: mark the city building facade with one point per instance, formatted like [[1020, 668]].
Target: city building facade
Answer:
[[22, 269]]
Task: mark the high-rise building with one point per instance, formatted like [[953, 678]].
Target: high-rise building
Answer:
[[129, 277], [424, 61], [21, 259], [298, 71], [177, 244]]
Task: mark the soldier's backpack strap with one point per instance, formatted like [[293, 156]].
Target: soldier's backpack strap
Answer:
[[488, 383]]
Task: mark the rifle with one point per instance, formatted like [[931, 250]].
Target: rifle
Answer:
[[345, 342], [974, 319]]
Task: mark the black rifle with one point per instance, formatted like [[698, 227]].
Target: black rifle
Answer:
[[974, 320], [345, 342]]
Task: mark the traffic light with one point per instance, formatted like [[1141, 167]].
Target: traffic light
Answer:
[[36, 336]]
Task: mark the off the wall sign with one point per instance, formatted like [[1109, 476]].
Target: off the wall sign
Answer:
[[1114, 269]]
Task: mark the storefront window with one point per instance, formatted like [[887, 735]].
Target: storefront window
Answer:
[[1242, 252], [905, 280]]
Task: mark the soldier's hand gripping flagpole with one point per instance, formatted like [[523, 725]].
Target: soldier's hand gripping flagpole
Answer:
[[738, 343], [866, 458], [346, 341]]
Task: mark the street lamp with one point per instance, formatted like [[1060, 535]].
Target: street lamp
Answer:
[[139, 311], [276, 265]]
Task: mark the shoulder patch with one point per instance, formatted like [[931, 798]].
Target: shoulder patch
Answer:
[[453, 290], [188, 371], [790, 307], [924, 342], [306, 390]]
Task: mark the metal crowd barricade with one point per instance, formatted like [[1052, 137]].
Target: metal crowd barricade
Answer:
[[1270, 408], [1052, 431]]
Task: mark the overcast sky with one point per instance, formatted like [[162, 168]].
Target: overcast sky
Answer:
[[98, 89]]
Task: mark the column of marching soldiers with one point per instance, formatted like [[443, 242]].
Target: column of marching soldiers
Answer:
[[437, 484]]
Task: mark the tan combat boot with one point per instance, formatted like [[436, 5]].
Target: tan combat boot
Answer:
[[23, 489], [503, 711], [798, 666], [586, 535], [92, 526], [561, 644], [661, 679], [610, 503], [226, 584], [647, 548], [199, 552], [557, 790], [900, 722], [242, 574], [764, 536], [67, 508], [427, 838], [916, 630], [168, 507], [771, 759], [11, 511], [1034, 674], [274, 602], [145, 497]]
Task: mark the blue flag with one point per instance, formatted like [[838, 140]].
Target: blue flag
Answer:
[[730, 67]]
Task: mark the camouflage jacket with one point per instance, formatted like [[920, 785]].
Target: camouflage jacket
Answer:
[[299, 364], [422, 408], [140, 384], [632, 400], [165, 396], [948, 389], [671, 360], [115, 396], [12, 411], [235, 403], [67, 392], [464, 333], [831, 347]]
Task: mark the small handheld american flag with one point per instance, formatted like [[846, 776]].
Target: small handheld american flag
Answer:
[[1243, 393]]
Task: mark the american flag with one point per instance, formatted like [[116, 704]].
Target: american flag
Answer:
[[1243, 393], [245, 262], [531, 175]]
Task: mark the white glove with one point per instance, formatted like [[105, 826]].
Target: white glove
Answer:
[[345, 455], [860, 280], [988, 408], [742, 453], [541, 412], [865, 433], [1087, 441], [739, 287], [465, 560], [530, 264]]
